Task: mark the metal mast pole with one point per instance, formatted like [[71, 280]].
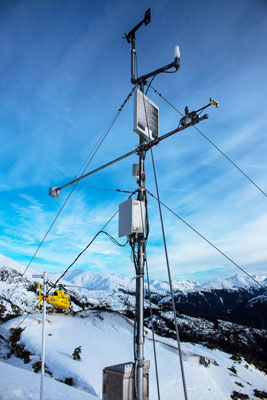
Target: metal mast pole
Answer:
[[43, 340], [139, 357], [140, 238]]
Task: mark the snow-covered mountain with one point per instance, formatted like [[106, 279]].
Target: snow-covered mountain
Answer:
[[217, 298], [106, 339], [103, 304], [7, 262], [110, 282], [235, 282], [99, 281]]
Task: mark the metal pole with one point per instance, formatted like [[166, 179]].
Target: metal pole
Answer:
[[139, 361], [133, 54], [43, 339]]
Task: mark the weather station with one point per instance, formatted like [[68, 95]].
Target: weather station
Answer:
[[131, 380], [148, 321]]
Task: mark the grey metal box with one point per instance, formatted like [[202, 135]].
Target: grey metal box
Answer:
[[131, 217], [118, 381]]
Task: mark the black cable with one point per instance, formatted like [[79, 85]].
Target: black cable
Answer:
[[133, 254], [86, 247], [206, 240], [136, 66], [132, 243], [168, 269], [74, 186], [213, 144], [114, 241], [146, 218], [38, 248], [89, 244], [148, 86]]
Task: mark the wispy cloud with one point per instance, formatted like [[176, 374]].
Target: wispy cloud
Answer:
[[61, 84]]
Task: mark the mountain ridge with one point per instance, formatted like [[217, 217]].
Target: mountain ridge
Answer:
[[112, 281]]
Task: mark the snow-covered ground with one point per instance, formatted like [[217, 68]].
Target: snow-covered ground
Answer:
[[107, 339], [19, 384]]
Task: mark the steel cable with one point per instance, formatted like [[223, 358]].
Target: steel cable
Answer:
[[213, 144], [91, 241], [168, 267], [152, 328], [206, 240], [91, 156]]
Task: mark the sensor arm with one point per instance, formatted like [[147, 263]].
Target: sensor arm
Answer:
[[142, 79], [148, 146], [54, 191], [130, 37], [146, 20]]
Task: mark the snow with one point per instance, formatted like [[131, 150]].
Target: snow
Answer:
[[107, 339], [98, 281], [9, 263], [234, 282], [112, 282], [26, 386], [163, 286]]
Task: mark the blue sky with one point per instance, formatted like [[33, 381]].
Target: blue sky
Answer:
[[65, 70]]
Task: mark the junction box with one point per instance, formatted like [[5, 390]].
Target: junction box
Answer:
[[118, 381], [131, 217]]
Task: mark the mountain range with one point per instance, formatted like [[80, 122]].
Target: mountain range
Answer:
[[228, 316]]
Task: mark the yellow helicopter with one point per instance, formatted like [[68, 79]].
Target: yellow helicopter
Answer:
[[60, 300]]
